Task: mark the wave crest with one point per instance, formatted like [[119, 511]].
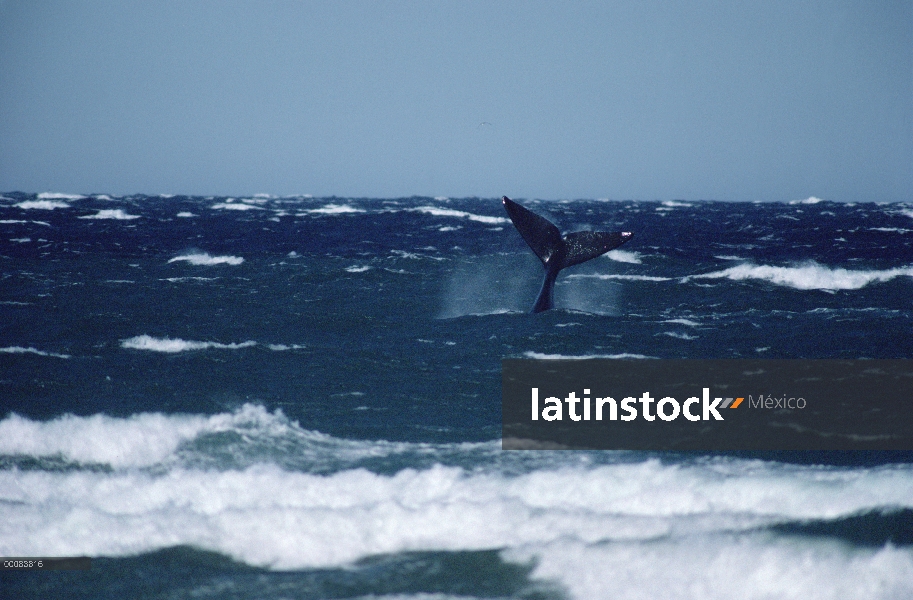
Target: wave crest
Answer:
[[809, 276]]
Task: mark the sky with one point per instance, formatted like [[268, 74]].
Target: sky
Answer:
[[716, 100]]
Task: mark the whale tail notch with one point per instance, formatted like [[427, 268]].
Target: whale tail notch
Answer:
[[556, 251]]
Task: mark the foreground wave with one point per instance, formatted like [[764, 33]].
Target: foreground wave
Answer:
[[227, 483]]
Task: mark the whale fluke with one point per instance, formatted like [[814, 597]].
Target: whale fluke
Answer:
[[557, 252]]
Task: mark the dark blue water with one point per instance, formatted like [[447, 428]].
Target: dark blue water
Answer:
[[296, 397]]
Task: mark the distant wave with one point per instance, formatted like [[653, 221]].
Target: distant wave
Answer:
[[333, 209], [235, 206], [22, 350], [449, 212], [42, 204], [810, 276], [116, 213], [59, 196], [202, 258], [541, 356], [809, 200], [173, 345]]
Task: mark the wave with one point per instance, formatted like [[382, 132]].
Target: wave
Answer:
[[617, 276], [809, 200], [174, 345], [116, 214], [59, 196], [810, 276], [698, 528], [449, 212], [22, 350], [234, 206], [542, 356], [42, 204], [333, 209], [202, 258]]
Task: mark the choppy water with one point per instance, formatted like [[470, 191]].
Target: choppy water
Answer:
[[300, 398]]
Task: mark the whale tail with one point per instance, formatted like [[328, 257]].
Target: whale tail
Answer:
[[556, 251]]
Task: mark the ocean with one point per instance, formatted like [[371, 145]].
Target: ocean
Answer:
[[294, 397]]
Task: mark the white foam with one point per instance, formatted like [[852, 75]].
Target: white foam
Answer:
[[541, 356], [23, 350], [333, 209], [12, 221], [624, 256], [681, 336], [173, 345], [59, 196], [285, 347], [202, 258], [234, 206], [42, 204], [644, 513], [687, 322], [115, 213], [722, 567], [358, 269], [617, 276], [675, 204], [809, 200], [24, 240], [185, 215], [449, 212], [621, 530], [103, 197], [809, 276]]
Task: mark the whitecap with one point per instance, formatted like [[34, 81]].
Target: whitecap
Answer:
[[809, 200], [23, 350], [333, 209], [449, 212], [617, 276], [42, 204], [358, 269], [202, 258], [174, 345], [809, 276], [235, 206], [543, 356], [185, 214], [59, 196], [116, 214]]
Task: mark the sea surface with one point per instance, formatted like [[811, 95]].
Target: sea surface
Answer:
[[295, 397]]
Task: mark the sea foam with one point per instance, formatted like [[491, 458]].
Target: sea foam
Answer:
[[204, 259], [116, 213], [23, 350], [42, 204], [809, 276], [173, 345], [449, 212]]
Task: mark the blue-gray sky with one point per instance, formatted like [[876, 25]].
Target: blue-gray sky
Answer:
[[648, 100]]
